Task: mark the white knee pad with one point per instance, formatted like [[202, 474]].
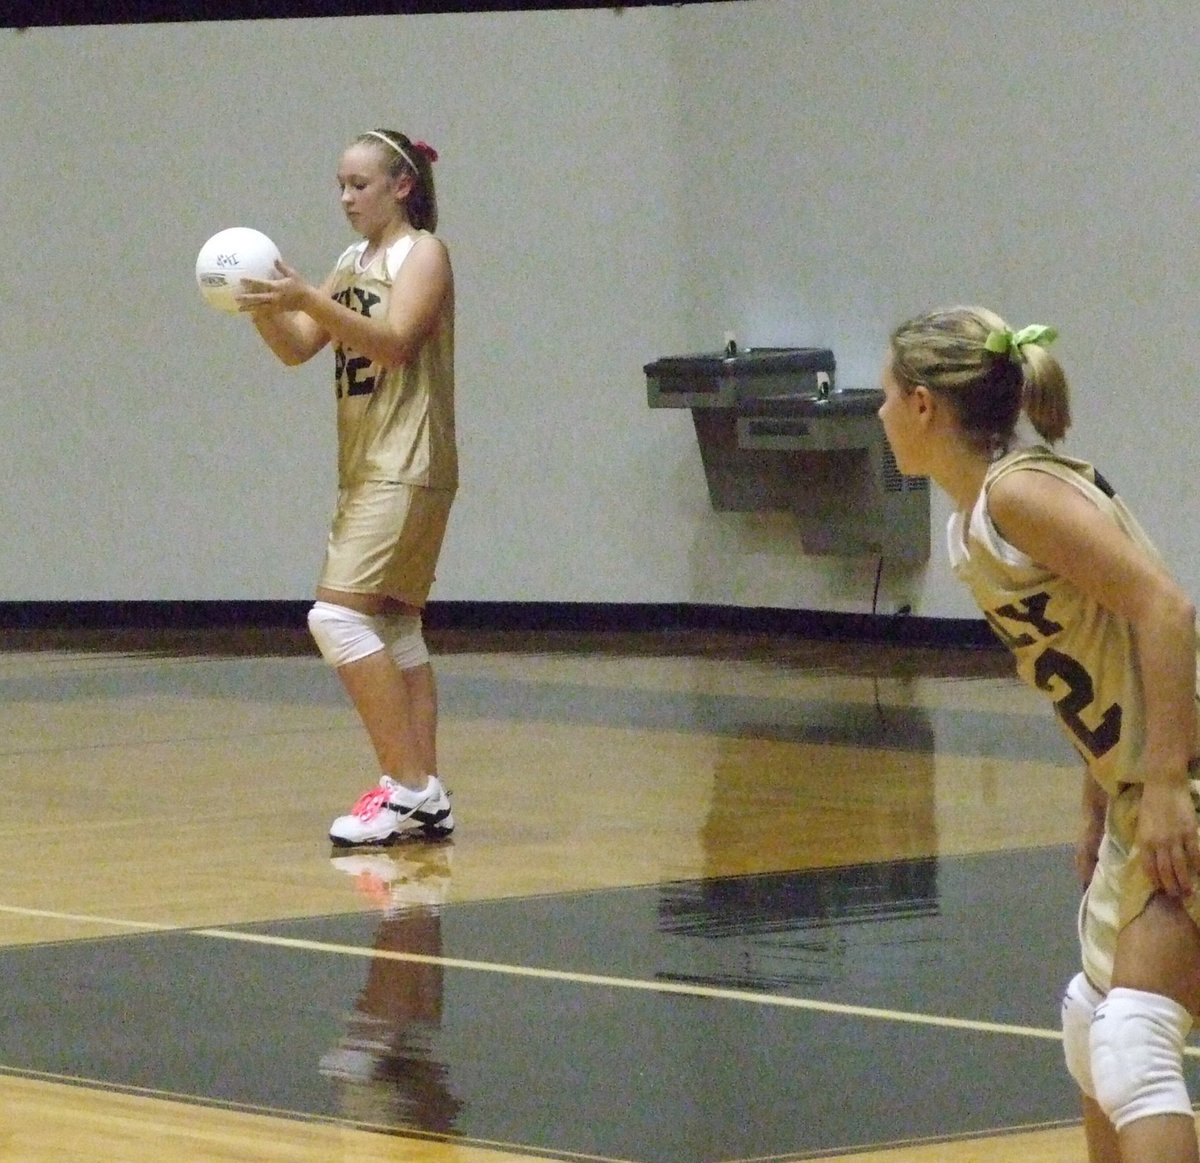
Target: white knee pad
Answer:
[[1137, 1056], [402, 636], [343, 635], [1078, 1005]]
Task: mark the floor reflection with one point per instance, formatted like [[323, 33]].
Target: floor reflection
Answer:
[[797, 795], [385, 1064]]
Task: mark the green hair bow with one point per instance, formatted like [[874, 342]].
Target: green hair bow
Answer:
[[1008, 342]]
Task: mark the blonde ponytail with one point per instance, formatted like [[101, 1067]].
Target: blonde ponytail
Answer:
[[1046, 399]]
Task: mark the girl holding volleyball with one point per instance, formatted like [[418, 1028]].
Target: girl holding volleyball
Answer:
[[387, 308], [1075, 589]]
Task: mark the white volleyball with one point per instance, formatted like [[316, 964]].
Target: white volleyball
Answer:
[[230, 256]]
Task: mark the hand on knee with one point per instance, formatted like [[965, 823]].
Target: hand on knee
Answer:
[[1137, 1041]]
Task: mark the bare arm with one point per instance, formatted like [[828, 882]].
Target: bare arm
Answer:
[[1059, 528], [298, 319], [293, 335]]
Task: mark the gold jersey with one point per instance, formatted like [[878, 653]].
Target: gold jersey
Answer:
[[1066, 645], [394, 423]]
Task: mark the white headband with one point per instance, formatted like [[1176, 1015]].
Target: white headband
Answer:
[[393, 145]]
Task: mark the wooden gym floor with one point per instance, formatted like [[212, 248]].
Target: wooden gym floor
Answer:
[[710, 900]]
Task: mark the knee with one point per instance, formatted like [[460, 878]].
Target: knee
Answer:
[[1137, 1040], [343, 635], [404, 640], [1078, 1005]]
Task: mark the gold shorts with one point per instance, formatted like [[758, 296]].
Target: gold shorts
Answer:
[[1120, 888], [385, 539]]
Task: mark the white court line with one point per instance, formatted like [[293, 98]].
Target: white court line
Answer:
[[676, 987], [673, 987], [88, 919]]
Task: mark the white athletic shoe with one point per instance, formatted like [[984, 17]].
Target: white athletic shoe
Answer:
[[387, 810]]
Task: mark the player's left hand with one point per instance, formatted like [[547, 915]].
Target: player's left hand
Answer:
[[286, 293], [1167, 837]]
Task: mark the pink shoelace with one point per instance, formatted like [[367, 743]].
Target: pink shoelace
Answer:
[[370, 804]]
